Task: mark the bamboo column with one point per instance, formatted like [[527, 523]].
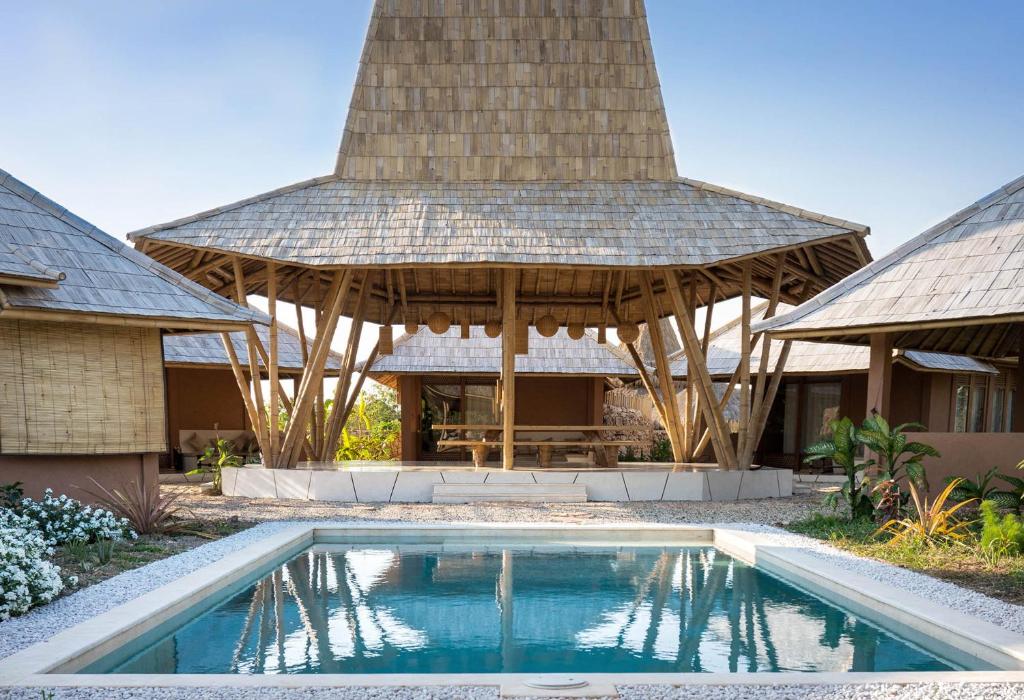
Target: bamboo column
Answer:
[[272, 368], [744, 428], [332, 432], [674, 426], [259, 426], [508, 367], [697, 364], [313, 377]]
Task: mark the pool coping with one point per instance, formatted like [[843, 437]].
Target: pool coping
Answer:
[[91, 639]]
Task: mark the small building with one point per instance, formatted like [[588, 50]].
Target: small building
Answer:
[[825, 381], [958, 287], [81, 372], [203, 401], [449, 379]]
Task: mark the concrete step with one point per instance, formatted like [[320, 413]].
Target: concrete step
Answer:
[[530, 493]]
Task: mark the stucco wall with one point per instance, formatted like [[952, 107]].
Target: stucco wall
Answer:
[[202, 399], [971, 454], [70, 473]]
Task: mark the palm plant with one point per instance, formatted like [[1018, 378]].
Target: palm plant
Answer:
[[897, 457], [932, 523], [977, 489], [841, 449]]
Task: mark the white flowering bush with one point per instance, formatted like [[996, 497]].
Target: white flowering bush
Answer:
[[62, 520], [26, 577]]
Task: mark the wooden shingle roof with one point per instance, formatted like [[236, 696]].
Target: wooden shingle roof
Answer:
[[957, 287], [818, 358], [207, 350], [424, 352], [54, 262], [525, 133]]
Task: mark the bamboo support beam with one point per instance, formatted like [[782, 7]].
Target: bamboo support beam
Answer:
[[508, 367], [272, 365], [697, 363], [243, 387], [648, 383], [334, 424], [260, 425], [312, 379], [762, 402], [744, 427], [674, 425]]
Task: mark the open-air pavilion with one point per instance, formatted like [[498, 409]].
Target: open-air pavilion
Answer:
[[955, 288], [508, 170]]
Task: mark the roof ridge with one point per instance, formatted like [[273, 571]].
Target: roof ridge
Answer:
[[894, 256], [44, 270], [780, 206], [40, 200]]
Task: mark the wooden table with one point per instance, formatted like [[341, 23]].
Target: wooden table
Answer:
[[605, 451]]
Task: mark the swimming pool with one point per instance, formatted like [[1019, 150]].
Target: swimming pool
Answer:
[[519, 608], [514, 605]]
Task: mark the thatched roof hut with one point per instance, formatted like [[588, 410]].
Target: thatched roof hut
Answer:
[[424, 353], [81, 372], [957, 287], [508, 162]]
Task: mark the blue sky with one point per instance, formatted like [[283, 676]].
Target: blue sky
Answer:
[[892, 114]]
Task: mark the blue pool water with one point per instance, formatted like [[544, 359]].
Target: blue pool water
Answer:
[[489, 608]]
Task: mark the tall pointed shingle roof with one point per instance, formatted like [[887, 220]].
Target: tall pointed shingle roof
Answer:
[[508, 91], [52, 261], [957, 287], [521, 133]]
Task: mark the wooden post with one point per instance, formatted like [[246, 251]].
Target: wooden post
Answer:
[[674, 426], [880, 375], [1018, 386], [508, 367], [272, 368], [762, 403], [744, 427], [259, 426], [697, 364], [648, 383]]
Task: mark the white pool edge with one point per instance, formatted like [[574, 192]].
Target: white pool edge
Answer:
[[92, 639]]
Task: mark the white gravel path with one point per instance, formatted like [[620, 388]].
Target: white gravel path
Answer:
[[21, 632]]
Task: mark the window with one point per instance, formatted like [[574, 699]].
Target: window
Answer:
[[790, 418], [821, 407], [960, 400], [996, 410], [977, 409]]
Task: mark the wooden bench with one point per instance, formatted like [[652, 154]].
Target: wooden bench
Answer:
[[544, 447], [605, 451]]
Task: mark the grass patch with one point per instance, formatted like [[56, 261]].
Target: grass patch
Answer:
[[960, 563], [84, 562]]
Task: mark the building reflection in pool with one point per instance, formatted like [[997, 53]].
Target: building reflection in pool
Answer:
[[479, 609]]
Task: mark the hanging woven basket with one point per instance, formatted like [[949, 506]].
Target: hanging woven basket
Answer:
[[576, 330], [492, 329], [412, 328], [439, 322], [547, 326], [628, 332]]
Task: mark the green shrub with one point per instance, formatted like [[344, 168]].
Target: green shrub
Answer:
[[1001, 534]]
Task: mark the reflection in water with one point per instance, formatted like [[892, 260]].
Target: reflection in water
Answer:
[[420, 609]]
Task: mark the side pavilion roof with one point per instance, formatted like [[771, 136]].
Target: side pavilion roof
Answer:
[[957, 287]]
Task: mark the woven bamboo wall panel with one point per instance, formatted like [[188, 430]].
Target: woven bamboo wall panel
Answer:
[[68, 388], [514, 90]]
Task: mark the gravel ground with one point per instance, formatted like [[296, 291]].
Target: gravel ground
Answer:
[[769, 511], [755, 515]]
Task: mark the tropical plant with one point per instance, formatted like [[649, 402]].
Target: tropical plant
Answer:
[[841, 449], [11, 495], [27, 578], [63, 519], [1012, 497], [977, 489], [371, 432], [148, 511], [215, 457], [932, 523], [896, 456], [1001, 534]]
